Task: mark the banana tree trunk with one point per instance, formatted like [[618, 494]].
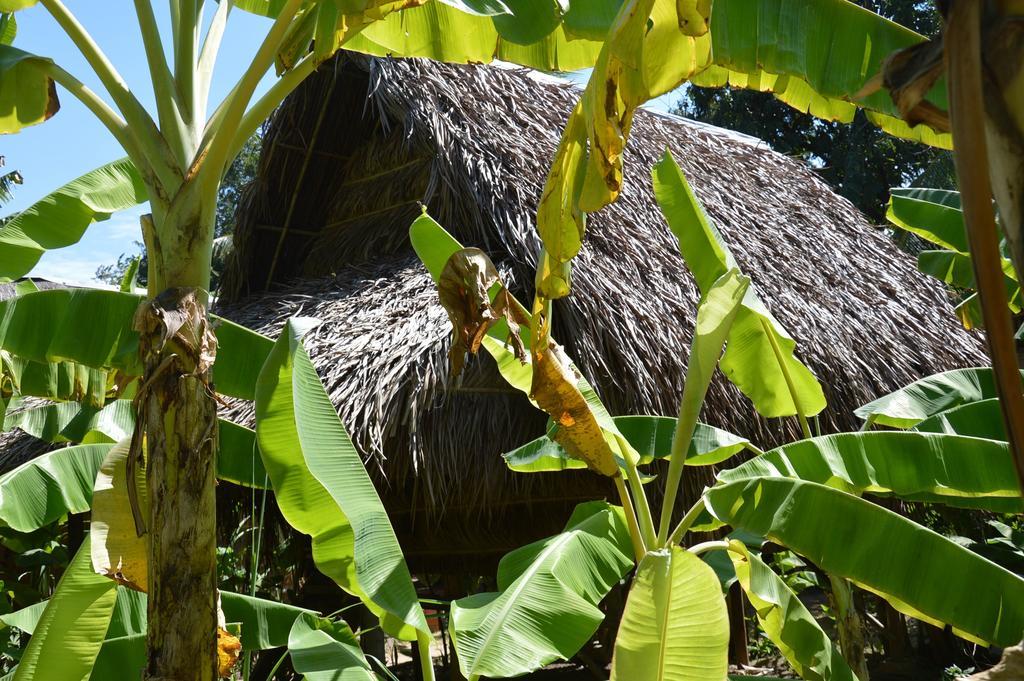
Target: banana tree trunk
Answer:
[[179, 413]]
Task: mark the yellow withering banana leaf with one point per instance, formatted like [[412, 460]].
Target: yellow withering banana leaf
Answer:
[[694, 16], [653, 46], [228, 649], [117, 550], [555, 391], [559, 220], [472, 293]]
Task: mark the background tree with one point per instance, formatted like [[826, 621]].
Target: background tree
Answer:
[[860, 161], [7, 182]]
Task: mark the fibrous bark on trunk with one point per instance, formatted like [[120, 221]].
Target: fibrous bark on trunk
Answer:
[[179, 414]]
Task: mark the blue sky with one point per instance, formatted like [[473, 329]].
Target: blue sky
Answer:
[[73, 142]]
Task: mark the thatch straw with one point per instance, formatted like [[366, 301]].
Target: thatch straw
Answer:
[[346, 161]]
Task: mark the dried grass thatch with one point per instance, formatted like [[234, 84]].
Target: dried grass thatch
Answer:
[[350, 156]]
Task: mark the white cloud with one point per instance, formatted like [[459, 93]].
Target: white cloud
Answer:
[[56, 266]]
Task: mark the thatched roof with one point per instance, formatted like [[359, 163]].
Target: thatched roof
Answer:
[[346, 162]]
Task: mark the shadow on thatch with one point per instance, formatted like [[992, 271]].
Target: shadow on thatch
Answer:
[[347, 161]]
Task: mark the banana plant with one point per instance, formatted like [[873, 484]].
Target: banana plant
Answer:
[[300, 447], [806, 496]]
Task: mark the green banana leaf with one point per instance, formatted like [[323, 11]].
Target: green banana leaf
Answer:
[[41, 491], [759, 357], [263, 625], [815, 55], [15, 5], [322, 487], [954, 470], [93, 327], [932, 214], [935, 215], [650, 436], [46, 488], [25, 619], [123, 653], [61, 218], [675, 626], [8, 29], [73, 422], [241, 353], [88, 326], [58, 381], [926, 397], [786, 621], [974, 419], [546, 606], [323, 650], [956, 269], [237, 461], [70, 632], [27, 95], [441, 32], [124, 644], [919, 572]]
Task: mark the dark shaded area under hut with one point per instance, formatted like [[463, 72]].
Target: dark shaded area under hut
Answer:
[[323, 232]]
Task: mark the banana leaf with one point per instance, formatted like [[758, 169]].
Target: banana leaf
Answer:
[[443, 33], [93, 327], [323, 489], [74, 422], [61, 218], [435, 246], [966, 472], [786, 621], [58, 381], [815, 55], [932, 214], [70, 632], [27, 95], [759, 358], [919, 572], [237, 461], [974, 419], [650, 436], [675, 626], [926, 397], [41, 491], [263, 624], [546, 606], [322, 650]]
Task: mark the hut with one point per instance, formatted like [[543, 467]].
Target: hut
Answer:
[[351, 156]]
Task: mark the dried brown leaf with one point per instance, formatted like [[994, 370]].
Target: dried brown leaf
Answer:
[[909, 76], [464, 289]]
